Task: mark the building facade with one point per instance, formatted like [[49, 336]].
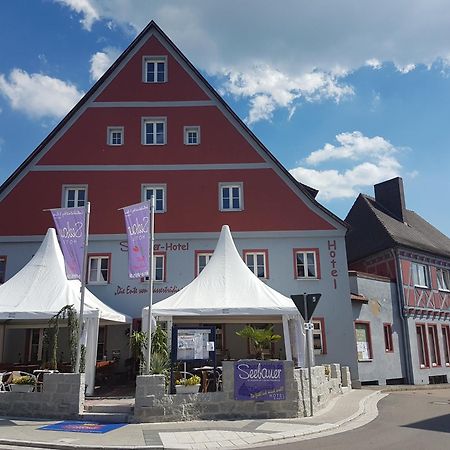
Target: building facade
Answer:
[[153, 126], [388, 240]]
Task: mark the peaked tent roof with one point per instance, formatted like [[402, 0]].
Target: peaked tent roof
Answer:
[[41, 289], [309, 192], [226, 286]]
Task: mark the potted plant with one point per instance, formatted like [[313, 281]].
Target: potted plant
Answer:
[[188, 385], [260, 338], [24, 383]]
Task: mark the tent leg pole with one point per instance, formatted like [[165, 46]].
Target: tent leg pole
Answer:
[[287, 340]]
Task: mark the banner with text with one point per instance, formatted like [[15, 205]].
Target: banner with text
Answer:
[[259, 380], [137, 222], [70, 225]]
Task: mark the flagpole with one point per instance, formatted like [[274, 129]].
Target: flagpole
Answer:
[[150, 282], [83, 289]]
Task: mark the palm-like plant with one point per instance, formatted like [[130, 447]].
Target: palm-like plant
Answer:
[[260, 338]]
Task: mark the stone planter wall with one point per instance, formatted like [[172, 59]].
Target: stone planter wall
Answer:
[[62, 397], [153, 404]]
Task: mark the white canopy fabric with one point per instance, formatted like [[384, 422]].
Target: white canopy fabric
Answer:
[[41, 289], [226, 286]]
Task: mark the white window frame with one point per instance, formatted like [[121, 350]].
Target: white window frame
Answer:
[[255, 255], [205, 254], [77, 188], [230, 186], [191, 129], [443, 279], [305, 253], [99, 279], [110, 136], [419, 269], [154, 121], [160, 187], [318, 330], [158, 257], [155, 60]]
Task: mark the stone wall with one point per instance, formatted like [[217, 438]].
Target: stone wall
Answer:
[[61, 396], [154, 405]]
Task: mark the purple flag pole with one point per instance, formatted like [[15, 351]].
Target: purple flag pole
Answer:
[[150, 282], [83, 289]]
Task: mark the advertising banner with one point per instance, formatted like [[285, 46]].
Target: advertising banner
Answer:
[[137, 222], [70, 225], [259, 380]]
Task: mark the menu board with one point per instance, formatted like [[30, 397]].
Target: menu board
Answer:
[[192, 344]]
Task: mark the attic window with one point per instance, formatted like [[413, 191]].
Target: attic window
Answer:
[[155, 69]]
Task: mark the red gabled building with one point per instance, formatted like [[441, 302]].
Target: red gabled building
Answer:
[[153, 125]]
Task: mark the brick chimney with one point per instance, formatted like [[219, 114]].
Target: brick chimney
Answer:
[[390, 195]]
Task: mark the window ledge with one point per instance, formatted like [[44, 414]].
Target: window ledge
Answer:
[[365, 360], [421, 287], [444, 290], [307, 279], [97, 283]]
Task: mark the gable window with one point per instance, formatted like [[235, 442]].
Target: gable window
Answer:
[[231, 197], [158, 191], [153, 131], [2, 269], [443, 279], [256, 261], [155, 69], [306, 263], [319, 339], [192, 135], [435, 355], [115, 136], [422, 346], [74, 196], [159, 267], [363, 341], [446, 343], [420, 275], [388, 343], [99, 269], [202, 258]]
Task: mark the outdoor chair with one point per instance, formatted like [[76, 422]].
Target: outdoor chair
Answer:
[[214, 382], [7, 379]]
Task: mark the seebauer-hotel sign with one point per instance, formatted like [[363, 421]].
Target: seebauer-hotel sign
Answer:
[[259, 380]]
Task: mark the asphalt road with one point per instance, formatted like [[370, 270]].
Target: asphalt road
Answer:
[[407, 420]]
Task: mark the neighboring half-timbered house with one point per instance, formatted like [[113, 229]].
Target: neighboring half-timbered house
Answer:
[[388, 240]]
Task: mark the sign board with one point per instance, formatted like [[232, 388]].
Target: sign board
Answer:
[[259, 380], [308, 326], [192, 344], [311, 303]]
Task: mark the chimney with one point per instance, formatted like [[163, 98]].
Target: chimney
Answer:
[[390, 195]]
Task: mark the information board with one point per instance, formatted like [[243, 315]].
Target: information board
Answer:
[[193, 344]]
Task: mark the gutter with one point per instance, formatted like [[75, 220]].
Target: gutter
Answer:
[[401, 309]]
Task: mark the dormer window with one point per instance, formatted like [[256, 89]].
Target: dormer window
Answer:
[[155, 69]]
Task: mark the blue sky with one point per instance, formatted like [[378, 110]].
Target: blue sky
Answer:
[[345, 94]]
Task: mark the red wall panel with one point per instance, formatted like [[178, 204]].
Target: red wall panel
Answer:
[[192, 205]]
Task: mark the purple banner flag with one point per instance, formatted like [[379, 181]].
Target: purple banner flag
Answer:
[[70, 225], [137, 221]]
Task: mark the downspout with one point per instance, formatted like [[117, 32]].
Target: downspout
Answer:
[[401, 309]]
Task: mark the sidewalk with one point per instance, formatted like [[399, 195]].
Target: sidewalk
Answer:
[[349, 411]]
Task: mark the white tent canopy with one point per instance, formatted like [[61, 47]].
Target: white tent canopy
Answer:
[[227, 287], [41, 289]]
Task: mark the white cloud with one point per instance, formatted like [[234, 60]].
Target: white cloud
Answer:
[[101, 61], [370, 161], [38, 95], [84, 7], [269, 89], [292, 43]]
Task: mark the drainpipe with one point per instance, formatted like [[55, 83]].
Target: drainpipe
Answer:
[[404, 320]]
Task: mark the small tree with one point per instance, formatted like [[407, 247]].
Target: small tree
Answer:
[[260, 338]]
